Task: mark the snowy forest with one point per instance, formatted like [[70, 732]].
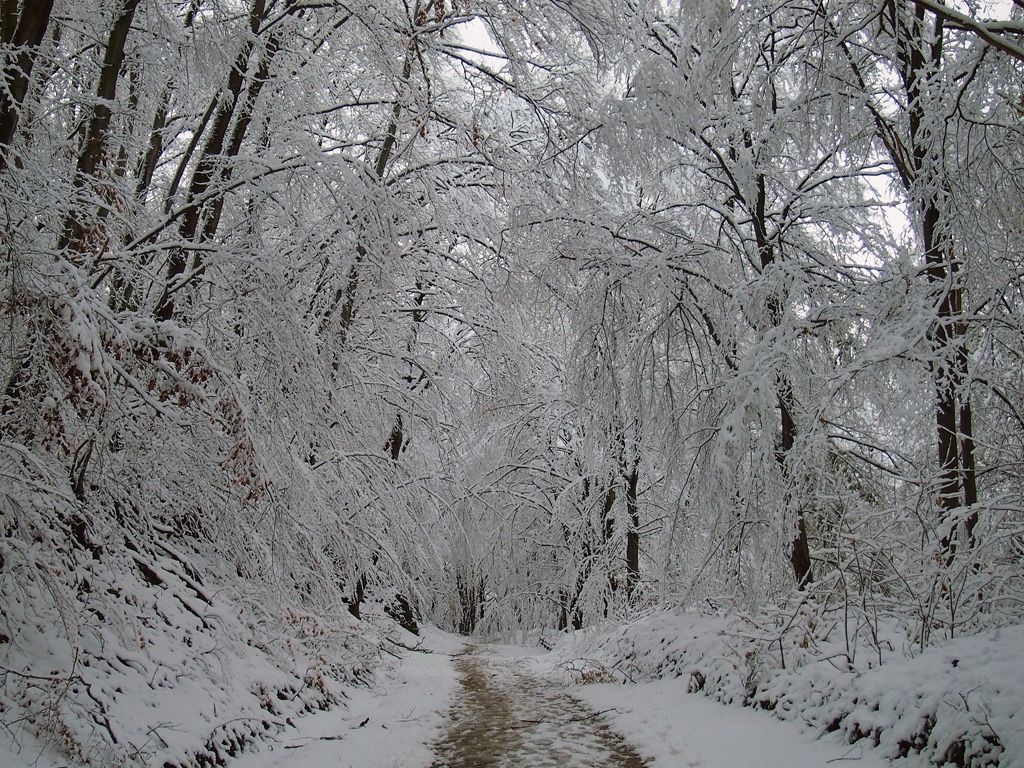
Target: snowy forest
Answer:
[[506, 316]]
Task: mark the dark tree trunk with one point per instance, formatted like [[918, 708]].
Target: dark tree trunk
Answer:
[[920, 56], [401, 611], [607, 518], [632, 533], [346, 295], [147, 164], [123, 291], [799, 548], [393, 446], [607, 531], [358, 595], [918, 162], [202, 216], [970, 477], [570, 612], [23, 31], [471, 599], [94, 148]]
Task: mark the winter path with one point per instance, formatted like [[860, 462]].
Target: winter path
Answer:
[[506, 717], [499, 706], [455, 705], [495, 706]]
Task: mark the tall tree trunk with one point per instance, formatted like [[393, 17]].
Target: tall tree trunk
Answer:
[[799, 548], [123, 293], [94, 148], [919, 47], [633, 532], [571, 613], [970, 474], [346, 295], [22, 33], [27, 33], [917, 158], [202, 217]]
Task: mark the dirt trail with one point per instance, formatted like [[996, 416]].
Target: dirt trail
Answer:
[[506, 718]]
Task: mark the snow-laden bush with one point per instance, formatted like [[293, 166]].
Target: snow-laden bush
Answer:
[[120, 646], [955, 703]]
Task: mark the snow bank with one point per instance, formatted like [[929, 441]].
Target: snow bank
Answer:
[[140, 628], [390, 724], [170, 679], [957, 703], [149, 655]]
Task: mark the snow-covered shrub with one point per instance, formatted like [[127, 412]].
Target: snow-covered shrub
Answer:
[[124, 649], [955, 703]]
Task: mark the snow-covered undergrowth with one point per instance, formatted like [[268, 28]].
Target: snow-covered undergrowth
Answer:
[[955, 703], [124, 647], [159, 674], [180, 672]]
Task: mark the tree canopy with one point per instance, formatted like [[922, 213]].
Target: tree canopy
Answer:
[[512, 315]]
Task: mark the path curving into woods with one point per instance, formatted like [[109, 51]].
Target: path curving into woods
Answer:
[[504, 717]]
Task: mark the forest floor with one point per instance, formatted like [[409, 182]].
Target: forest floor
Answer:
[[505, 716], [453, 705], [499, 706], [447, 703]]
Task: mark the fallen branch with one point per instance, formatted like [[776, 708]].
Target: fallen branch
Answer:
[[312, 738], [415, 648], [582, 719]]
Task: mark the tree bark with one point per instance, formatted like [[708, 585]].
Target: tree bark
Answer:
[[633, 532], [199, 219], [799, 547], [94, 149], [347, 293], [919, 50], [393, 446], [917, 158], [23, 33]]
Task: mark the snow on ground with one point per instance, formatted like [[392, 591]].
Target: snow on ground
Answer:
[[390, 722], [960, 702], [389, 725], [673, 729], [148, 674], [29, 753], [969, 691], [405, 713]]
